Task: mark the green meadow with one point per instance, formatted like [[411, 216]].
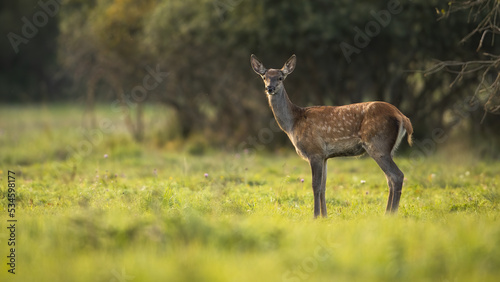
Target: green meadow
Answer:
[[93, 205]]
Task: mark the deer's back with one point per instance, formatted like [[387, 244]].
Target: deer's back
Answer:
[[331, 131]]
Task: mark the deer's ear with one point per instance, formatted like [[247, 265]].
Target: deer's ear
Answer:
[[257, 66], [289, 65]]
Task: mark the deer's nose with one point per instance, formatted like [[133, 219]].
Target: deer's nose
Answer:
[[270, 89]]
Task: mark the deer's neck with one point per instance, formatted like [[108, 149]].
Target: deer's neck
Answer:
[[283, 109]]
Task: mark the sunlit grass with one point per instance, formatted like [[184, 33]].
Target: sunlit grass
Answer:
[[145, 213]]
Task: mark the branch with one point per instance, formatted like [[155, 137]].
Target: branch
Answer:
[[488, 10]]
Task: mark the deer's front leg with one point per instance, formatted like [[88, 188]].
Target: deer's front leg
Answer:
[[323, 191], [317, 184]]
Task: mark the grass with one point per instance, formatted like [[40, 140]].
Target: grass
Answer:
[[147, 213]]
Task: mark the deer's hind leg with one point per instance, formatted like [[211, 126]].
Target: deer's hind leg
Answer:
[[380, 147], [394, 178]]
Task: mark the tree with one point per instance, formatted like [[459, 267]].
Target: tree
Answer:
[[106, 50], [206, 46], [484, 14]]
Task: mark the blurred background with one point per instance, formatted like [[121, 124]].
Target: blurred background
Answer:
[[190, 58]]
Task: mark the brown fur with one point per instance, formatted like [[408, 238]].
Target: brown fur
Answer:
[[355, 124], [323, 132]]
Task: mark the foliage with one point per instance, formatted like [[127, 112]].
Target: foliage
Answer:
[[123, 212], [104, 48], [205, 46], [31, 74], [483, 14]]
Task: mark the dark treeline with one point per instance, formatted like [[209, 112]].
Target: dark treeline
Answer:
[[193, 56]]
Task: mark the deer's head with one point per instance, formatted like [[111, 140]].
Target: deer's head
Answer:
[[273, 78]]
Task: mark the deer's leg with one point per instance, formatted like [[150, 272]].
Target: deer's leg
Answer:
[[390, 199], [323, 191], [394, 179], [317, 181], [397, 188], [393, 174]]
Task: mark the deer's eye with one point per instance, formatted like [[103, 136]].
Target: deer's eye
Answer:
[[280, 78]]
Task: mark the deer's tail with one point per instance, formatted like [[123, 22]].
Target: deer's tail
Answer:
[[409, 129], [404, 128]]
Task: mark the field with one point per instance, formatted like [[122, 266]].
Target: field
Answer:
[[92, 205]]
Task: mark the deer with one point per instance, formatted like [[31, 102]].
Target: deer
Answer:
[[319, 133]]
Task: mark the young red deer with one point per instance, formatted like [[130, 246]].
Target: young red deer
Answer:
[[322, 132]]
